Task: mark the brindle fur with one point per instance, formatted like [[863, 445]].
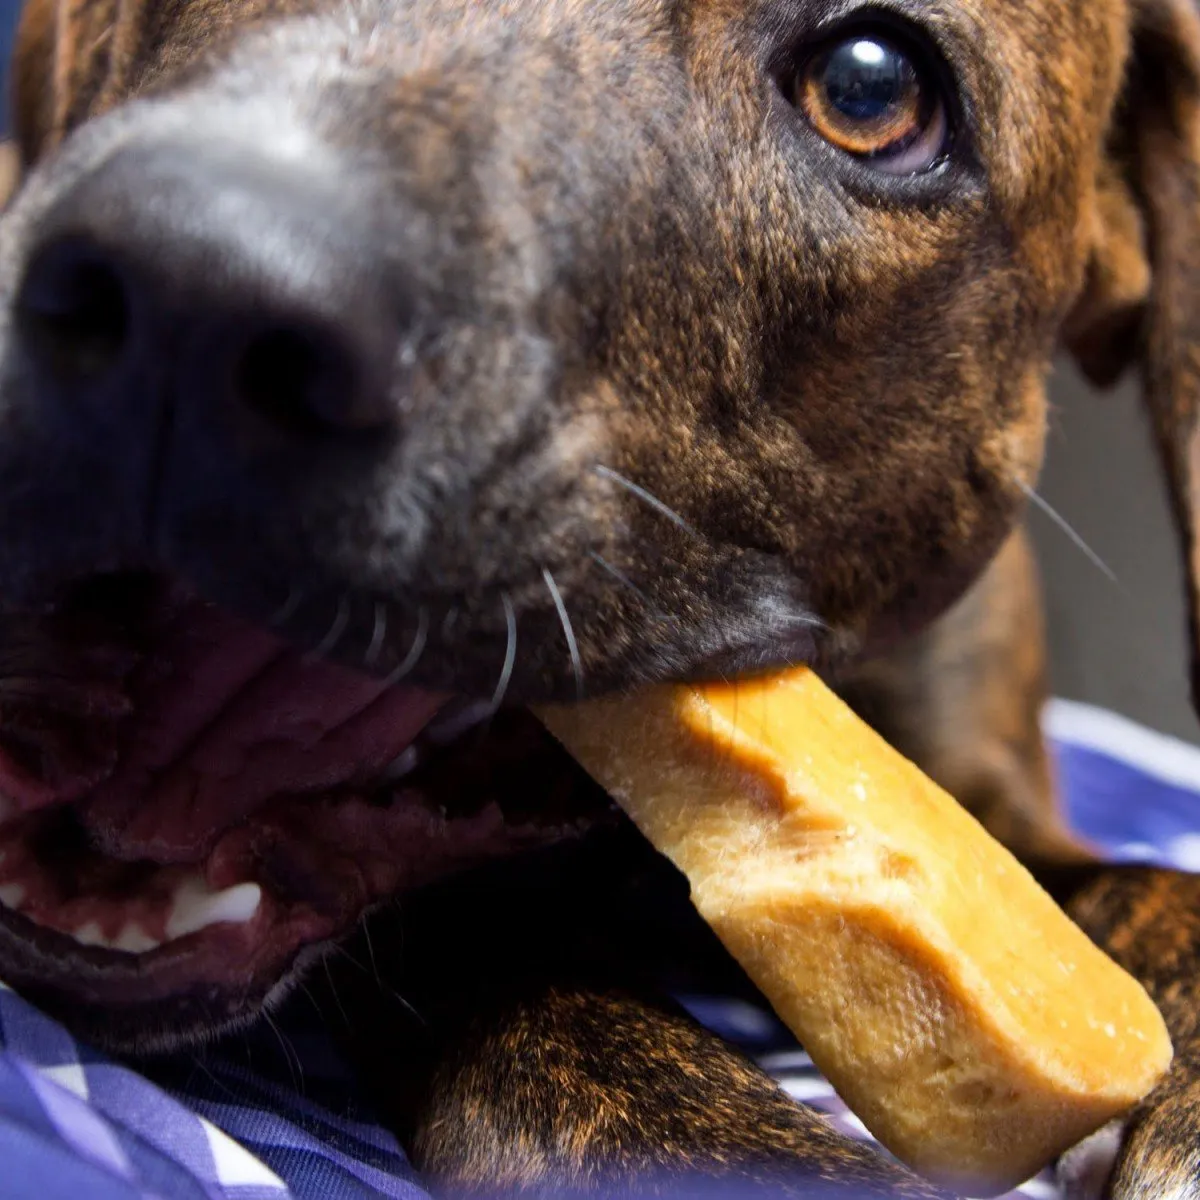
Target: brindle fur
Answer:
[[835, 385], [597, 1089], [711, 279]]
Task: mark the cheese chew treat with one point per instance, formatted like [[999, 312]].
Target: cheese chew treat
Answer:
[[968, 1023]]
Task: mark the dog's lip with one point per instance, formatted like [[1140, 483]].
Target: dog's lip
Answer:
[[299, 867], [250, 955], [45, 959], [234, 965], [798, 648]]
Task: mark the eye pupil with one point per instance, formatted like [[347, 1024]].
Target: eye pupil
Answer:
[[866, 80], [872, 97]]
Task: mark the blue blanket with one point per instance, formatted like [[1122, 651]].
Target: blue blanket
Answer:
[[276, 1115]]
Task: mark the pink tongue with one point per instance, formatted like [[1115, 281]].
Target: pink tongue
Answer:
[[233, 718]]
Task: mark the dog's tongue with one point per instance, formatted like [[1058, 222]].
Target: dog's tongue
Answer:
[[224, 718]]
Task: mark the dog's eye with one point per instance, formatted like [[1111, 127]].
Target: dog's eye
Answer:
[[876, 99]]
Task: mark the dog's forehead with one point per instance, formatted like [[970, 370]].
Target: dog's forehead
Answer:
[[1039, 75], [401, 80], [1024, 65]]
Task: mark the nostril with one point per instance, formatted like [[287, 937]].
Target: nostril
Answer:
[[300, 380], [73, 312]]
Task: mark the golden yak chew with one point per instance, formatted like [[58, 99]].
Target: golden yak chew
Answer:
[[969, 1024]]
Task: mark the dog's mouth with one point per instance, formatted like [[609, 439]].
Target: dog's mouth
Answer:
[[189, 803]]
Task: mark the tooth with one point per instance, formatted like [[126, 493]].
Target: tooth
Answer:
[[12, 895], [195, 907], [133, 939], [90, 935]]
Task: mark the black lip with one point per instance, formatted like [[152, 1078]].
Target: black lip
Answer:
[[110, 998], [749, 662]]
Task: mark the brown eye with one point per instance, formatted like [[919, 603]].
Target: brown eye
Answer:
[[873, 99]]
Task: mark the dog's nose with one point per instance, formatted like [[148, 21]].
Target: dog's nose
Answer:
[[243, 281]]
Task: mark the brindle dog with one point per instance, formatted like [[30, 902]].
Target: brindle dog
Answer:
[[359, 358]]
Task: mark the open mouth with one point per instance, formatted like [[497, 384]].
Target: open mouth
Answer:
[[189, 803]]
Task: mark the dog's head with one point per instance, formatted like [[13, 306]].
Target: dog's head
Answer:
[[360, 354]]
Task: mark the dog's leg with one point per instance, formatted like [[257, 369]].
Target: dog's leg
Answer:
[[573, 1090], [963, 700]]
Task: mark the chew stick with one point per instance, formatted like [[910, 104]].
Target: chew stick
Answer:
[[972, 1027]]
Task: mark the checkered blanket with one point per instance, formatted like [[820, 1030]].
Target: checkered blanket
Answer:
[[276, 1116]]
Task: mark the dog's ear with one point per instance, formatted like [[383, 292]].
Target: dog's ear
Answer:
[[32, 84], [1141, 303], [60, 64]]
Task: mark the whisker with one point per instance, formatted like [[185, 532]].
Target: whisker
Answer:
[[628, 583], [418, 648], [800, 620], [569, 633], [406, 1004], [329, 643], [199, 1064], [510, 653], [290, 1055], [287, 610], [366, 932], [619, 576], [333, 993], [646, 497], [388, 990], [1068, 529], [378, 633]]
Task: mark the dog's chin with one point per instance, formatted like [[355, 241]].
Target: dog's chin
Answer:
[[193, 810]]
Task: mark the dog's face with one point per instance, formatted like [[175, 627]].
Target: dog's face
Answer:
[[504, 349]]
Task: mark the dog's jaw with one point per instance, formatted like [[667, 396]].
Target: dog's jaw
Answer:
[[246, 804]]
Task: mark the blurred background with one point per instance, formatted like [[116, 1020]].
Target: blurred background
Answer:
[[1118, 642], [8, 20], [1117, 634]]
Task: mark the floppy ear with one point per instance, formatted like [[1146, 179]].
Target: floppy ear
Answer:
[[60, 66], [1142, 300]]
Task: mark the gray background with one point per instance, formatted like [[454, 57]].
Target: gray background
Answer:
[[1119, 644]]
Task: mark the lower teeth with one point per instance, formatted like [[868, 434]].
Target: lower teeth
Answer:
[[194, 907], [90, 935], [134, 940]]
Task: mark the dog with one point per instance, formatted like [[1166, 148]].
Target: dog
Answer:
[[372, 367]]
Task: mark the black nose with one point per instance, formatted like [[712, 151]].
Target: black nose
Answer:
[[246, 281]]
